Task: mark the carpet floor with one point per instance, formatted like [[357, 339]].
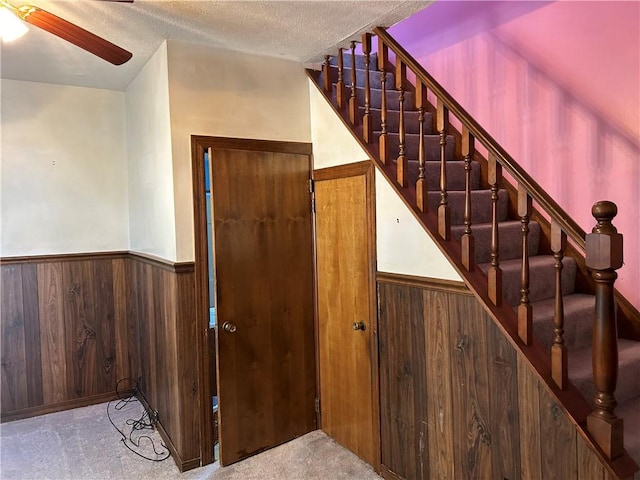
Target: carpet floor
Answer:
[[82, 444]]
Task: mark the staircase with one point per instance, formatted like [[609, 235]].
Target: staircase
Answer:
[[519, 264]]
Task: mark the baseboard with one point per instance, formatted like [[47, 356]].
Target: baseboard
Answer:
[[183, 465], [59, 407], [388, 474]]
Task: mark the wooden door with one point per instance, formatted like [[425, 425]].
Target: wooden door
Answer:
[[345, 259], [263, 255]]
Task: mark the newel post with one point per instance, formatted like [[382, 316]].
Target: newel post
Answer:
[[604, 257]]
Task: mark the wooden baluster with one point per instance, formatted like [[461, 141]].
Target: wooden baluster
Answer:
[[495, 272], [401, 162], [467, 241], [444, 214], [525, 318], [421, 183], [604, 257], [383, 58], [326, 74], [341, 93], [558, 349], [353, 100], [367, 124]]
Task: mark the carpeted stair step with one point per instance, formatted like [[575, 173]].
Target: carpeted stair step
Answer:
[[455, 174], [393, 102], [411, 124], [541, 278], [581, 372], [511, 239], [481, 200], [411, 144], [375, 80], [346, 60], [578, 320]]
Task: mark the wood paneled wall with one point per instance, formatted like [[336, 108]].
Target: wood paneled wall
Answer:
[[73, 325], [162, 301], [457, 401], [65, 332]]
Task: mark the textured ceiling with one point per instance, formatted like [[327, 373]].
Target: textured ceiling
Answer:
[[296, 30]]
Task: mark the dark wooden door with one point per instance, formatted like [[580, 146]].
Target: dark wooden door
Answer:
[[263, 258], [345, 269]]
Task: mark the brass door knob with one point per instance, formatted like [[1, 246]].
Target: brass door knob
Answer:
[[229, 327], [359, 326]]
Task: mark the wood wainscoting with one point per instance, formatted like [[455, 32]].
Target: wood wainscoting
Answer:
[[457, 401], [73, 325]]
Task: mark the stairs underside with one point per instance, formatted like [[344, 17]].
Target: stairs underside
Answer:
[[578, 306]]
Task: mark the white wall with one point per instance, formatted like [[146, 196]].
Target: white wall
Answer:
[[402, 244], [151, 200], [228, 94], [64, 177]]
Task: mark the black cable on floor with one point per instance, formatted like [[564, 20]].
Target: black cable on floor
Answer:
[[137, 425]]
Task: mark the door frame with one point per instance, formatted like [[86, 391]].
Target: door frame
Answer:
[[199, 145], [367, 169]]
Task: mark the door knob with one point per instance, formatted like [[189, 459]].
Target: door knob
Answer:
[[359, 326], [229, 327]]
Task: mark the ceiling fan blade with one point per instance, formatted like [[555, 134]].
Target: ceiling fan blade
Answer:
[[74, 34]]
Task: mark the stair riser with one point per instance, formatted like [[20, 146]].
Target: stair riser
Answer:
[[411, 124], [510, 247], [375, 79], [578, 321], [393, 99], [431, 147], [346, 60], [481, 199], [455, 175]]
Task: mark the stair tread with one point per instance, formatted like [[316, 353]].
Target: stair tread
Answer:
[[578, 315], [628, 386]]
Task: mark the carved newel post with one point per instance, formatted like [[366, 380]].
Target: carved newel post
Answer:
[[604, 256]]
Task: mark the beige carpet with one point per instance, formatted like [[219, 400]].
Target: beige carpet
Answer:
[[82, 444]]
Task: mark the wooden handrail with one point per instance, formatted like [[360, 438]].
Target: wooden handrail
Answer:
[[569, 226]]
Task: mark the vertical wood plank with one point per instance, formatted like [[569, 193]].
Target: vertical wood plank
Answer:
[[558, 446], [529, 409], [588, 464], [52, 332], [119, 284], [438, 378], [403, 391], [32, 334], [14, 371], [471, 425], [105, 328], [503, 398], [80, 330], [187, 385]]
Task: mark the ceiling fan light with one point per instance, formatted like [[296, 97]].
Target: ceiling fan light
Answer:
[[11, 27]]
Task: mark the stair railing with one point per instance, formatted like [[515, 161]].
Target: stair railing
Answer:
[[603, 425]]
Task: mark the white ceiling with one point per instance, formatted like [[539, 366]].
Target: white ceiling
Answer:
[[302, 30]]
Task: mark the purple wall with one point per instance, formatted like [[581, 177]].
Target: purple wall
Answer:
[[558, 85]]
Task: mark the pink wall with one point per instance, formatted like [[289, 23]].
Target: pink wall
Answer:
[[558, 85]]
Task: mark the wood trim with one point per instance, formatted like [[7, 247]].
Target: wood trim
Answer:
[[250, 144], [176, 267], [183, 465], [61, 257], [342, 171], [440, 284], [388, 474], [58, 407]]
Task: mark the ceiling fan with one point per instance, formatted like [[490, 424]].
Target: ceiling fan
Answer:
[[71, 32]]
